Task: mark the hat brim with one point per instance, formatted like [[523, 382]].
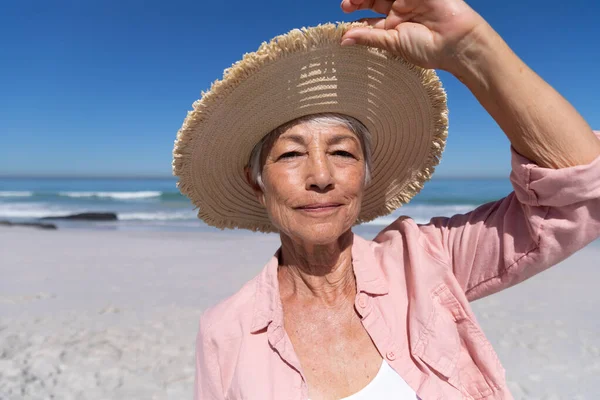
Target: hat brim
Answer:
[[301, 73]]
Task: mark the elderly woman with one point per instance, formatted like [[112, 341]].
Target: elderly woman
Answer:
[[357, 122]]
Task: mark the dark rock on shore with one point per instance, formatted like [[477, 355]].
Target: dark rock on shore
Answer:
[[40, 225], [88, 217]]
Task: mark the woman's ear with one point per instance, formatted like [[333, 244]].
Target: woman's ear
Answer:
[[258, 192]]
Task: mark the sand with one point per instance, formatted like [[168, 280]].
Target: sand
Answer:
[[113, 314]]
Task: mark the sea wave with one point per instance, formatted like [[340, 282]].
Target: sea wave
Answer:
[[31, 213], [157, 216], [15, 194], [113, 195]]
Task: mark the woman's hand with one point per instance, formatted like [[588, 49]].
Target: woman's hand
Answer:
[[428, 33]]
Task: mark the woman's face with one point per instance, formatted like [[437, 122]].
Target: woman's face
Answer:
[[313, 180]]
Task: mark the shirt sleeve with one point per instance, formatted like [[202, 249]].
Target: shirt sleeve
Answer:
[[551, 214], [207, 385]]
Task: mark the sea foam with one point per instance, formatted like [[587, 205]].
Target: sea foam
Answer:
[[15, 194], [113, 195]]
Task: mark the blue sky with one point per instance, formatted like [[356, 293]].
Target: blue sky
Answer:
[[100, 88]]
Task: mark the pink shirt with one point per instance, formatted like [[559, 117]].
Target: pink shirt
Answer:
[[414, 284]]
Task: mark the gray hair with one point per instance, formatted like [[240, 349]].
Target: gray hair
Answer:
[[324, 119]]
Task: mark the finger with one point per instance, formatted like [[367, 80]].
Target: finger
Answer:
[[354, 5], [374, 22], [395, 18], [381, 38], [379, 6], [392, 20], [389, 22]]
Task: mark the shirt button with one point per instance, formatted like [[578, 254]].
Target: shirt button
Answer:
[[391, 355], [362, 300]]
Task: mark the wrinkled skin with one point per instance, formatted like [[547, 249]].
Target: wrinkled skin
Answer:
[[314, 183]]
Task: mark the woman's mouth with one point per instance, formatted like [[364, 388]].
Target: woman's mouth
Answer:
[[318, 208]]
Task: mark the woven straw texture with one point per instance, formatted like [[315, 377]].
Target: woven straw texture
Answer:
[[305, 72]]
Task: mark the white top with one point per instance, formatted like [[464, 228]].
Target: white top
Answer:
[[386, 385]]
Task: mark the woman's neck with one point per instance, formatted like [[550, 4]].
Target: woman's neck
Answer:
[[317, 271]]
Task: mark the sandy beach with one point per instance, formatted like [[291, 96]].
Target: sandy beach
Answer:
[[113, 314]]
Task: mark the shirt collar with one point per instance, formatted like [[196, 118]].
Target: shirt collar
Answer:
[[367, 270], [267, 299]]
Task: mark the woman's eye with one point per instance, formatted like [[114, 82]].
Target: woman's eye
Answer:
[[343, 153], [290, 154]]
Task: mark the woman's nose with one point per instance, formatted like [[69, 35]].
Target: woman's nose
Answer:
[[320, 176]]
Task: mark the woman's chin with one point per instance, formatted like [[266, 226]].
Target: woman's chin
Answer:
[[318, 234]]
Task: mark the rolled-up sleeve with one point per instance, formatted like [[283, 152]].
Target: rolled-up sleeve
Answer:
[[551, 214], [208, 376]]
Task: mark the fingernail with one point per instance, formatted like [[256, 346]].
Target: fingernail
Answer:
[[348, 42]]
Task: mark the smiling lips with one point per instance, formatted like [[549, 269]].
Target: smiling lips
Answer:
[[319, 207]]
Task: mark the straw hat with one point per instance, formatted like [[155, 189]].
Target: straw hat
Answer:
[[302, 72]]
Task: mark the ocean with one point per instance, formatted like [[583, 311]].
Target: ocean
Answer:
[[156, 204]]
